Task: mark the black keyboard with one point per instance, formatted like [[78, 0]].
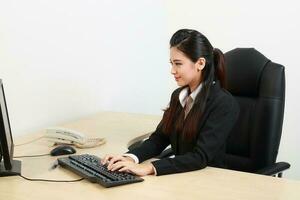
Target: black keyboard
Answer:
[[90, 167]]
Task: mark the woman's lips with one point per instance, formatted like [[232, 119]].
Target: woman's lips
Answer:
[[177, 78]]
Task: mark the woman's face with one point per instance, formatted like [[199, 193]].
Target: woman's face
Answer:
[[184, 70]]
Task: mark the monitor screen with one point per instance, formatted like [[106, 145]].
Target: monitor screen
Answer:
[[7, 164]]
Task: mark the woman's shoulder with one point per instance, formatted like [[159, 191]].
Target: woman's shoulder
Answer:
[[225, 99], [221, 97]]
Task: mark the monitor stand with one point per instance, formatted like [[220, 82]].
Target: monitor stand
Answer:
[[16, 169]]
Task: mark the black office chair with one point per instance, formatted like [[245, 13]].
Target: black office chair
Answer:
[[259, 87]]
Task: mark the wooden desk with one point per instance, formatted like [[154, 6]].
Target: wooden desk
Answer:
[[119, 129]]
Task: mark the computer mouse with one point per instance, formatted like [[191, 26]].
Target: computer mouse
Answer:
[[62, 150]]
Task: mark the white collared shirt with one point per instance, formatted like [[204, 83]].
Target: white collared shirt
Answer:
[[183, 95]]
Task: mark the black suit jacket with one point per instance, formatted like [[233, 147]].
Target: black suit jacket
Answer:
[[221, 113]]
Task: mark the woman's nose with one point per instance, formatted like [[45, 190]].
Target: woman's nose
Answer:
[[173, 71]]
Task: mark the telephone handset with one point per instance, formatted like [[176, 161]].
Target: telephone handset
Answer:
[[60, 135]]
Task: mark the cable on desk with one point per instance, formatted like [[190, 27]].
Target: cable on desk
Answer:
[[46, 180], [29, 141], [32, 156]]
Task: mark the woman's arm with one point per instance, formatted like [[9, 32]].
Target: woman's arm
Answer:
[[158, 140], [153, 146]]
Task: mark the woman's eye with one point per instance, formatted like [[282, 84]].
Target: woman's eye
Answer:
[[176, 64]]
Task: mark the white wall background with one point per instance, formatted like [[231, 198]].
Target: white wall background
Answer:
[[62, 60]]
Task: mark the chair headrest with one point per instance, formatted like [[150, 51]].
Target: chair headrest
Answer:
[[244, 67]]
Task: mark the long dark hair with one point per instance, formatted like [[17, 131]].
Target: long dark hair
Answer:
[[194, 45]]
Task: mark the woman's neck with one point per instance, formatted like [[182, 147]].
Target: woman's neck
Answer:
[[193, 87], [194, 84]]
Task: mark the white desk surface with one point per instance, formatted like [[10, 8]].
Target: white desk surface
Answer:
[[120, 129]]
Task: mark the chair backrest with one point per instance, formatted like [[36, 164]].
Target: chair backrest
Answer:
[[258, 85]]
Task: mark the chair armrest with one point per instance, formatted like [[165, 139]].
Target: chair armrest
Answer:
[[136, 142], [276, 168]]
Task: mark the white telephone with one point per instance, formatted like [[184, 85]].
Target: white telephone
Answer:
[[60, 135]]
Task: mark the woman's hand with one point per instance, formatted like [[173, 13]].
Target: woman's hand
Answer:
[[131, 167], [127, 164], [111, 159]]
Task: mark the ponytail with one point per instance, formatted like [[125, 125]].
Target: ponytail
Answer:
[[219, 63]]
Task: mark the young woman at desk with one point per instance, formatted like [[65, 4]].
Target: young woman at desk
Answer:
[[200, 115]]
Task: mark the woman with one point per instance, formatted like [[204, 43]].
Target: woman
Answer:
[[199, 118]]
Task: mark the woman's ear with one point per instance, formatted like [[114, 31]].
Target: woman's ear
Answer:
[[200, 64]]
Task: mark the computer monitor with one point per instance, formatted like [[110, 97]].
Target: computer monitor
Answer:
[[8, 166]]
